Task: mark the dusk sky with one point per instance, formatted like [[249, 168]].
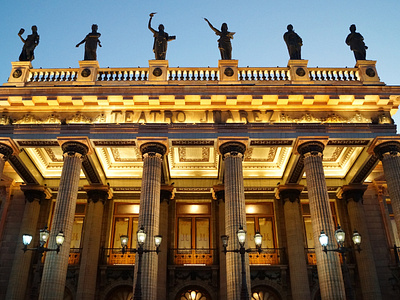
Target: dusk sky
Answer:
[[258, 42]]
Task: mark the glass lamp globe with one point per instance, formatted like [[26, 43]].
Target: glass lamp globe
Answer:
[[224, 239], [241, 234], [258, 239], [26, 239], [157, 240], [60, 238], [124, 240], [43, 235], [141, 236], [340, 235], [356, 238], [323, 239]]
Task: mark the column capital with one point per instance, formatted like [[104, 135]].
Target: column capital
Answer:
[[305, 145], [153, 145], [167, 193], [352, 192], [385, 146], [232, 145], [8, 148], [218, 192], [96, 193], [72, 145], [34, 192], [290, 192]]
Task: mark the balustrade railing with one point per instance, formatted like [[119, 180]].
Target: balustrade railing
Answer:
[[269, 256], [199, 256], [179, 74], [114, 256], [52, 75], [74, 256], [193, 74], [122, 74], [263, 74], [333, 74]]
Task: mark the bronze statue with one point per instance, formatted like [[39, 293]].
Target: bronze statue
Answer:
[[27, 53], [224, 41], [161, 39], [91, 41], [356, 43], [293, 43]]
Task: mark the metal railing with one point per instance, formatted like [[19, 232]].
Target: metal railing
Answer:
[[74, 257], [195, 256], [268, 256], [114, 256]]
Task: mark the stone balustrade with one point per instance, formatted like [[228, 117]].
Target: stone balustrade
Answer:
[[296, 72]]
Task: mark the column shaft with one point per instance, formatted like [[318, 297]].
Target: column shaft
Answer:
[[55, 267], [328, 264], [18, 282], [235, 216], [149, 217], [365, 259], [295, 243], [91, 244]]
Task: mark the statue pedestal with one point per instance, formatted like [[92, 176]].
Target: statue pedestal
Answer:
[[298, 71], [367, 72], [158, 71], [19, 73], [87, 73], [228, 71]]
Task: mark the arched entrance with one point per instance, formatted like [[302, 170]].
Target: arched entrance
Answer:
[[264, 293], [122, 292], [193, 293]]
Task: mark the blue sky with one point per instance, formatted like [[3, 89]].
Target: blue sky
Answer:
[[259, 26]]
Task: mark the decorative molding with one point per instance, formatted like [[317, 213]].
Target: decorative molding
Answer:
[[271, 142], [90, 172], [192, 143], [22, 171], [116, 143], [348, 142], [79, 118], [38, 143], [331, 118]]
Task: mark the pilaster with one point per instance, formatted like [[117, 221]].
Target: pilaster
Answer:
[[17, 285], [353, 195], [97, 196], [290, 195]]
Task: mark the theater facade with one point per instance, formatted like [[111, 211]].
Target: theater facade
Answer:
[[193, 154]]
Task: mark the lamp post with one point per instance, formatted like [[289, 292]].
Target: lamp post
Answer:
[[141, 238], [340, 238], [43, 237], [241, 235]]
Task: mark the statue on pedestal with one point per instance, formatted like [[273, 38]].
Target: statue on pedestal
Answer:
[[356, 42], [30, 43], [161, 39], [91, 41], [224, 42], [293, 43]]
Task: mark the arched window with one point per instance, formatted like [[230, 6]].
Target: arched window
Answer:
[[124, 292], [193, 294], [264, 293]]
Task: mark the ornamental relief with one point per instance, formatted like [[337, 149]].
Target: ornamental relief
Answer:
[[331, 118]]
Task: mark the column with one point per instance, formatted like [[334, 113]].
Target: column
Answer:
[[55, 266], [365, 259], [290, 195], [235, 215], [5, 152], [18, 282], [149, 216], [328, 264], [389, 154], [97, 196]]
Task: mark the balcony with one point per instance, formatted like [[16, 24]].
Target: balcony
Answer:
[[193, 256], [270, 256]]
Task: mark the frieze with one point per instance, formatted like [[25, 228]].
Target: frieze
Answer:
[[252, 117], [348, 142], [114, 143], [192, 143], [271, 143], [33, 143]]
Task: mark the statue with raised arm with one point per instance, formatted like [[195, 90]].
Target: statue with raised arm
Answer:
[[161, 39], [356, 42], [91, 41], [30, 43], [224, 41], [293, 42]]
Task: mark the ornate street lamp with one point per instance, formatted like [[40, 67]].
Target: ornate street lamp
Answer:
[[141, 238], [340, 236], [241, 235], [43, 238]]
